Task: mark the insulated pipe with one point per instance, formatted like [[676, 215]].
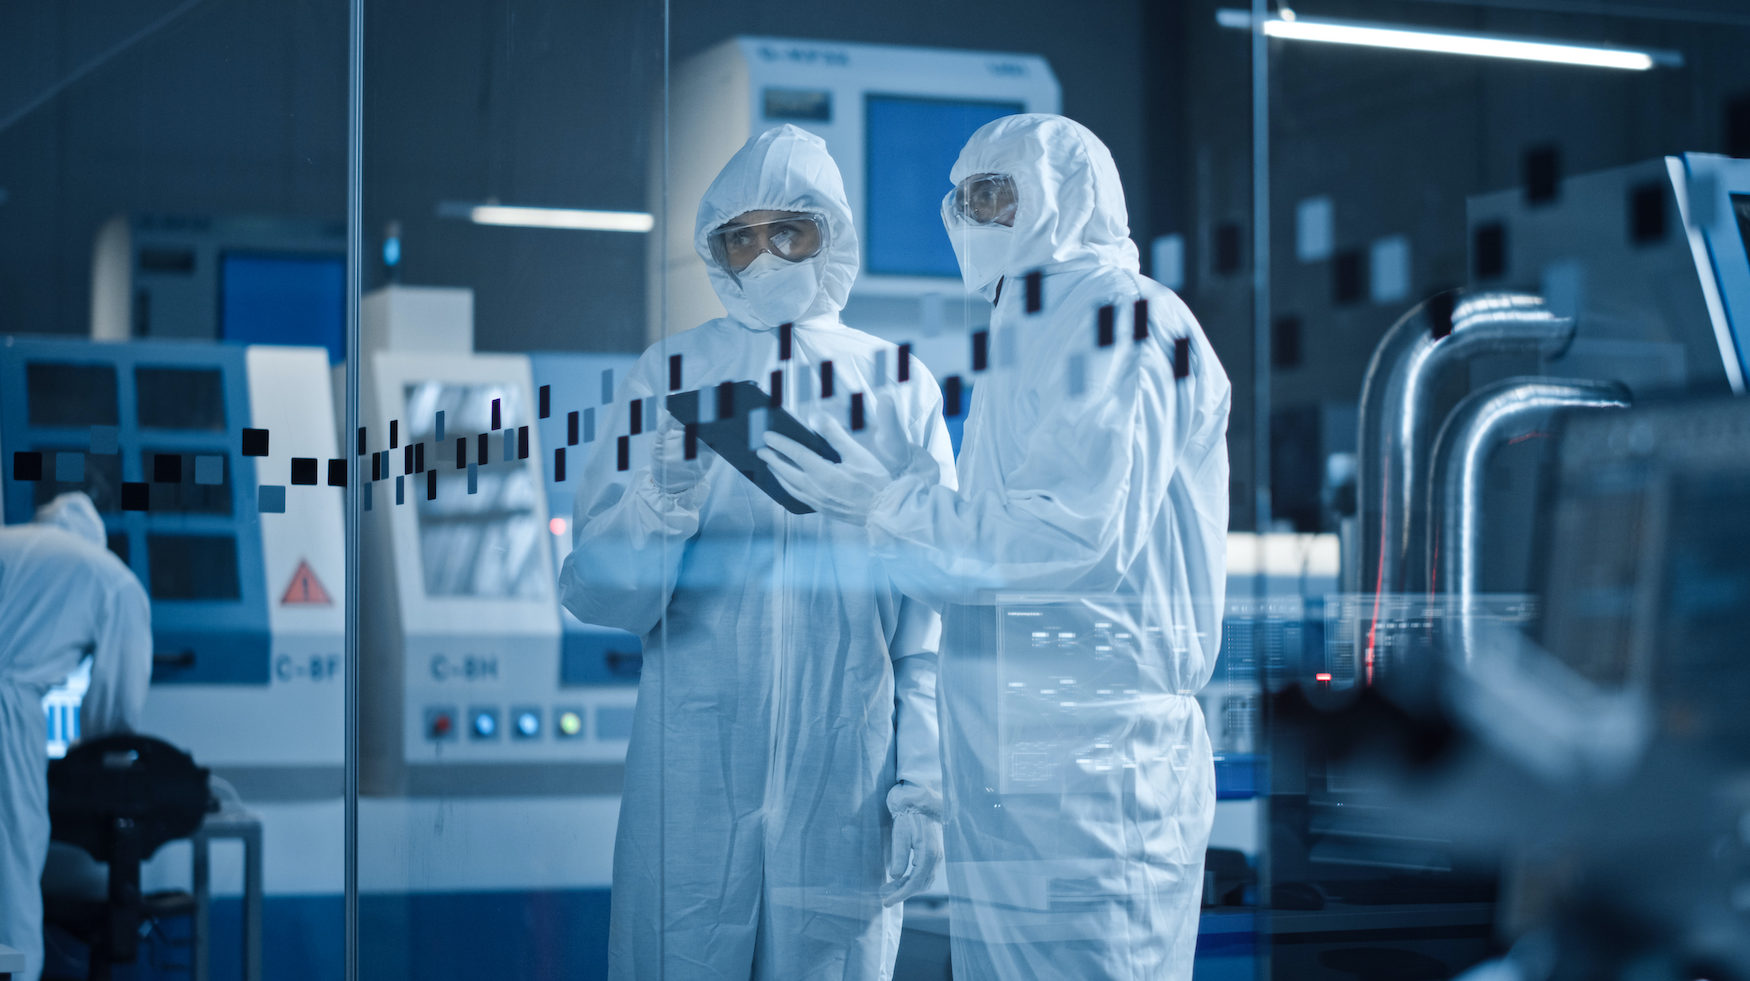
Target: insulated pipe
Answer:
[[1395, 429], [1477, 427]]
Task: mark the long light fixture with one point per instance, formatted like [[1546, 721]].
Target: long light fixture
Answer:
[[1293, 28], [575, 219]]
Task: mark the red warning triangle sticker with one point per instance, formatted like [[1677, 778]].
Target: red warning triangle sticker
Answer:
[[305, 589]]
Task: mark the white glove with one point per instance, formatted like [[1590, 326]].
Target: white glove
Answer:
[[670, 469], [845, 490], [917, 842]]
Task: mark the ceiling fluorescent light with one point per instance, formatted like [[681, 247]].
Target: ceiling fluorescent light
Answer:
[[567, 218], [1452, 42]]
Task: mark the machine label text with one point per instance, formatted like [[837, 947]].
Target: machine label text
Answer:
[[310, 667], [470, 667]]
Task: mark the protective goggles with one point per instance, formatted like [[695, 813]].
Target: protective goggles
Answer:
[[796, 236], [982, 199]]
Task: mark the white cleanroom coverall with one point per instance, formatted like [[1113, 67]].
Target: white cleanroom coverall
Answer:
[[788, 691], [63, 597], [1081, 564]]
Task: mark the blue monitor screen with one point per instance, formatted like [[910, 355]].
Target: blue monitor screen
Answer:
[[910, 144], [284, 299]]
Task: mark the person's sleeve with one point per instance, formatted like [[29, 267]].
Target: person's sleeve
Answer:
[[121, 661], [916, 641], [1071, 514], [628, 535]]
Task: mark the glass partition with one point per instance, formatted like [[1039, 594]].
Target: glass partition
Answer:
[[964, 492], [512, 174], [172, 257], [606, 283]]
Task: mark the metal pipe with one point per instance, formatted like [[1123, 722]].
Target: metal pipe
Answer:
[[1397, 400], [1477, 427]]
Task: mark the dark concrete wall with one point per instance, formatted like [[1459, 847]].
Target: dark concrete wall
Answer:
[[239, 106]]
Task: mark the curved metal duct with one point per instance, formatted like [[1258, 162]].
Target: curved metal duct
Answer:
[[1395, 430], [1397, 400], [1479, 425]]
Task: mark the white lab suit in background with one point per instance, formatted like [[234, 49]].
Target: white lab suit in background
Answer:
[[63, 596], [1082, 564], [753, 826]]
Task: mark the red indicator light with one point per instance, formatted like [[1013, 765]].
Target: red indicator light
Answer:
[[1323, 677], [440, 725]]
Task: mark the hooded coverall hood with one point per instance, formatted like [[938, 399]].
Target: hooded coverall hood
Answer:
[[786, 168], [1069, 204], [74, 512]]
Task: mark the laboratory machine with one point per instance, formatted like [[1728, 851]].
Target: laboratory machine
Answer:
[[493, 725], [210, 466], [1606, 293], [894, 118], [473, 679], [235, 278]]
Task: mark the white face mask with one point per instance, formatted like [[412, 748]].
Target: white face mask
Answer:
[[775, 291], [983, 252]]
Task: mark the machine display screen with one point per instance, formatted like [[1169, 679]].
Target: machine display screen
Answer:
[[909, 145], [284, 299], [60, 394], [181, 398], [61, 709], [192, 567], [488, 544], [1646, 583]]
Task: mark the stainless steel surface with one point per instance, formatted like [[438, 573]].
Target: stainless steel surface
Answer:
[[246, 828], [1397, 402], [1477, 427]]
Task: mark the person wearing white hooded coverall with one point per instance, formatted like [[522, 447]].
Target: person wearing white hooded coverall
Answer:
[[783, 759], [1081, 564], [63, 597]]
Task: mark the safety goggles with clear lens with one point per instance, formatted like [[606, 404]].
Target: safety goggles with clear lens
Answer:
[[796, 236], [983, 199]]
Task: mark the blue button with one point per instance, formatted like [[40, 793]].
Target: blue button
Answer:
[[526, 723], [485, 723]]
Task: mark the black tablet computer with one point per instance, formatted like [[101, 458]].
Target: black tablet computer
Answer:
[[727, 434]]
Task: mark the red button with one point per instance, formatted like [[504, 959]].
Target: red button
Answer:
[[440, 725]]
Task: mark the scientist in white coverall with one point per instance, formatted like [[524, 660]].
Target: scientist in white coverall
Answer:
[[1081, 564], [784, 764], [63, 597]]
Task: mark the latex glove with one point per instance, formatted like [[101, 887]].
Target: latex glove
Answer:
[[845, 490], [670, 469], [916, 850]]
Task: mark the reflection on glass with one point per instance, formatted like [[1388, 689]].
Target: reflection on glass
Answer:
[[488, 543]]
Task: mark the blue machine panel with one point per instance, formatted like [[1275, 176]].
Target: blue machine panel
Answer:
[[910, 145], [169, 417]]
